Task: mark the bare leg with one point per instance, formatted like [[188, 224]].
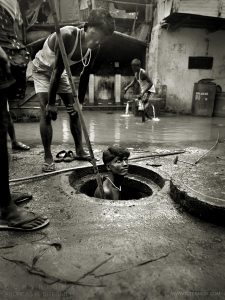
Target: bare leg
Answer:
[[11, 216], [143, 115], [75, 126], [11, 131], [147, 108], [6, 201], [45, 128]]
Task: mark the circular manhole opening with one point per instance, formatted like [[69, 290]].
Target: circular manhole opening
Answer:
[[139, 183], [130, 189]]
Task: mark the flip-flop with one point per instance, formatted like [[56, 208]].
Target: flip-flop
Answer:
[[18, 198], [48, 167], [60, 156], [20, 146], [18, 226], [69, 156]]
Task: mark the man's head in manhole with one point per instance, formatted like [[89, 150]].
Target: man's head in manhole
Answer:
[[115, 159]]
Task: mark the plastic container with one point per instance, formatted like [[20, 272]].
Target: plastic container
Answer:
[[219, 107], [203, 99]]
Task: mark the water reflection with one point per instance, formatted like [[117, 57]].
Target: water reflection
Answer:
[[126, 123], [117, 131], [105, 128], [92, 131]]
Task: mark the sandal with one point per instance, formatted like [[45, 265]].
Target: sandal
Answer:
[[29, 222], [18, 198], [60, 156], [48, 167], [69, 156], [20, 146]]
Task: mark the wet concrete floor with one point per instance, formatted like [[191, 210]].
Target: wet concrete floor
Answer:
[[107, 127], [106, 250]]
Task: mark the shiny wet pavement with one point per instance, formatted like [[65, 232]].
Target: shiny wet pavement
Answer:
[[115, 127]]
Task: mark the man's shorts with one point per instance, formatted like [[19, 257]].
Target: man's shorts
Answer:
[[42, 76]]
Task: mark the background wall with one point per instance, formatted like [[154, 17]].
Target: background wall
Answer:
[[168, 62], [106, 90]]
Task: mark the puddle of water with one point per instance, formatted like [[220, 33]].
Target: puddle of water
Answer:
[[107, 128]]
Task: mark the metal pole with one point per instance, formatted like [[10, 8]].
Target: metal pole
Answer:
[[76, 104]]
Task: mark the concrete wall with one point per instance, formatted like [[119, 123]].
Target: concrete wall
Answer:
[[104, 89], [107, 90], [168, 62], [163, 10], [213, 8]]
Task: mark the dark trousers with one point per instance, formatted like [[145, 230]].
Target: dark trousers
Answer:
[[5, 198]]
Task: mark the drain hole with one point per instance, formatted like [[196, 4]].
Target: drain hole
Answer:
[[139, 183], [131, 189]]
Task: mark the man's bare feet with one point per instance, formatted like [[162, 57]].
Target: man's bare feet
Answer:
[[48, 165], [48, 158]]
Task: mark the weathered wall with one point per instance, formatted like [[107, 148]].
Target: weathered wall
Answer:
[[163, 10], [213, 8], [168, 62], [104, 89], [69, 10]]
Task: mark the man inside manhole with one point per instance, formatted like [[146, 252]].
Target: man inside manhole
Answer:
[[115, 159]]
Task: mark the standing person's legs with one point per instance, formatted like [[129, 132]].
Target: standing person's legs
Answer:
[[11, 216], [144, 107], [41, 79], [11, 131], [148, 107], [75, 125], [46, 132], [146, 111], [143, 114], [4, 174]]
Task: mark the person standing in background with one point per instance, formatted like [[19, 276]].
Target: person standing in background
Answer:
[[147, 87]]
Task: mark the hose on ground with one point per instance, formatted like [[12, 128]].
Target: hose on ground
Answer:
[[44, 175]]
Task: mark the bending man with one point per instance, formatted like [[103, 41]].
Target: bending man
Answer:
[[50, 77]]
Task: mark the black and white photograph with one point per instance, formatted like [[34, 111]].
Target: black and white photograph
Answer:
[[112, 149]]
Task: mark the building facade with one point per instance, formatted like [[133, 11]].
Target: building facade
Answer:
[[187, 45]]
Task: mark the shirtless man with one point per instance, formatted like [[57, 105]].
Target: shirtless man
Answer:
[[50, 77], [116, 161], [146, 86]]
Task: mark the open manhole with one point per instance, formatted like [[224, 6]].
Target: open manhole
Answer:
[[139, 183]]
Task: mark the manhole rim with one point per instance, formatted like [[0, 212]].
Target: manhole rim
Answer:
[[70, 191], [128, 178], [197, 205]]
